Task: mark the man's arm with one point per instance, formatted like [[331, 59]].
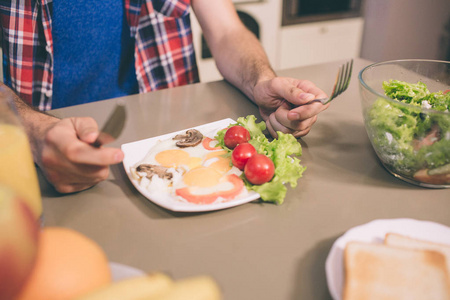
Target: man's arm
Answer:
[[239, 56], [243, 62]]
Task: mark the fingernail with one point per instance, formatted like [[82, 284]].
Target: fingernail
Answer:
[[118, 157], [293, 116], [306, 96], [90, 136]]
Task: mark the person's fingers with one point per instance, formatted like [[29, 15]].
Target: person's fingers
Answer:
[[272, 131], [86, 129], [265, 113], [307, 111], [278, 121], [286, 105], [281, 120], [66, 188], [65, 140], [72, 188], [68, 178], [299, 134], [87, 154], [298, 92], [309, 87], [77, 176]]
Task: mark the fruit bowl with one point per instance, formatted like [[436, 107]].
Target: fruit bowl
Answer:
[[405, 105]]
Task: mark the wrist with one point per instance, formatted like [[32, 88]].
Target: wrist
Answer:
[[36, 125], [263, 76]]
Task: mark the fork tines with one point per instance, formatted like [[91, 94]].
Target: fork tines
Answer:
[[345, 73], [342, 82]]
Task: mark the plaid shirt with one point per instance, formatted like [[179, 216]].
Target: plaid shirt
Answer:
[[164, 53]]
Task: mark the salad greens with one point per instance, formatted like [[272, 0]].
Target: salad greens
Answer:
[[416, 94], [287, 168], [410, 138]]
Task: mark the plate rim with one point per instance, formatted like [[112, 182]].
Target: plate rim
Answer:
[[175, 206], [121, 271], [335, 256]]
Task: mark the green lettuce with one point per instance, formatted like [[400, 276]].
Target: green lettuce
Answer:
[[396, 129], [281, 151], [416, 94]]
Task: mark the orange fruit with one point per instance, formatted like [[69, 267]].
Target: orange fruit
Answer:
[[68, 264]]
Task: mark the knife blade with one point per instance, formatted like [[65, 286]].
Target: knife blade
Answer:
[[113, 126]]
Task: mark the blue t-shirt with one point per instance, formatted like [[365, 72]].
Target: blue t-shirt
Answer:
[[93, 52]]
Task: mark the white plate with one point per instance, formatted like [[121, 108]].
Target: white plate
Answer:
[[375, 232], [136, 151]]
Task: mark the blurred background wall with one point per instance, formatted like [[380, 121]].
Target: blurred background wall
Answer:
[[396, 29]]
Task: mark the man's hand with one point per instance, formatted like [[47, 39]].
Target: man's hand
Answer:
[[67, 158], [284, 104]]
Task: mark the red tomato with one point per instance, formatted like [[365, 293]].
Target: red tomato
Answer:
[[236, 135], [241, 154], [259, 169]]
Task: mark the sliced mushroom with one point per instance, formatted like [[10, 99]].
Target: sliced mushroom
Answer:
[[190, 139], [152, 170]]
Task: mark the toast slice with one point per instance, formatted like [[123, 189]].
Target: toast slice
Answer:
[[398, 240], [376, 271]]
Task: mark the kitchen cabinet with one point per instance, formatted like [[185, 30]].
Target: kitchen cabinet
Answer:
[[319, 42]]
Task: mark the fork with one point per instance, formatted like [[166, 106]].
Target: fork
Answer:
[[342, 81]]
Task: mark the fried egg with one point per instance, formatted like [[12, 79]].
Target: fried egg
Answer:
[[165, 153], [198, 175]]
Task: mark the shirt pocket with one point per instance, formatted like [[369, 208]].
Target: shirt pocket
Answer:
[[172, 8]]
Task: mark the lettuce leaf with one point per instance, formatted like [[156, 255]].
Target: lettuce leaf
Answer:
[[416, 94]]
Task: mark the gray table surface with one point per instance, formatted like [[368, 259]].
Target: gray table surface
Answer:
[[256, 250]]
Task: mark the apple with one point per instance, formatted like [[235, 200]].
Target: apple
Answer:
[[19, 234]]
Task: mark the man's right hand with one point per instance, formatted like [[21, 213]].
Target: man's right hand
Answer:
[[68, 160]]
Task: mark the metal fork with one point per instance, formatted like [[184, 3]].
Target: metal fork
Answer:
[[342, 81]]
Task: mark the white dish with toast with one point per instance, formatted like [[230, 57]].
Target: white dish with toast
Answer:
[[375, 232]]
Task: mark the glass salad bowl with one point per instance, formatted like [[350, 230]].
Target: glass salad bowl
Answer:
[[405, 106]]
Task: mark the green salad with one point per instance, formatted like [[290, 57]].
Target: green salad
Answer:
[[281, 151], [412, 140]]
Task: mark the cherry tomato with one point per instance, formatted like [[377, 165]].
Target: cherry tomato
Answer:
[[236, 135], [259, 169], [241, 154]]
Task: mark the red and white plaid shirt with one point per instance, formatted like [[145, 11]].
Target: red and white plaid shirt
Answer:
[[164, 53]]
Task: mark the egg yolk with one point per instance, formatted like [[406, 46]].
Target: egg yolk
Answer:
[[202, 177], [221, 164], [174, 158], [215, 154]]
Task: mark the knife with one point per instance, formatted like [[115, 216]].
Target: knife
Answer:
[[113, 126]]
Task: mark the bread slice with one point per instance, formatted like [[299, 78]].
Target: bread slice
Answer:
[[398, 240], [376, 271]]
